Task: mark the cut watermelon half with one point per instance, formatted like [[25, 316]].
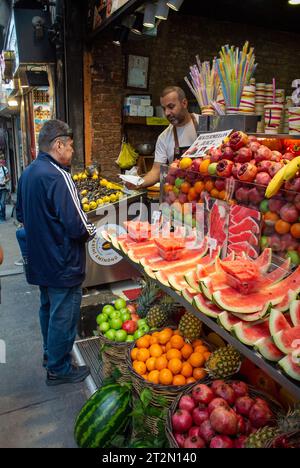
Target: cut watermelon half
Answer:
[[290, 367], [267, 348], [188, 294], [278, 322], [227, 320], [206, 307], [288, 340], [255, 316], [284, 305], [295, 312], [157, 263], [250, 334]]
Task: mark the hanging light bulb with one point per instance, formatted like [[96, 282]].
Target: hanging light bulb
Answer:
[[149, 16], [294, 2], [120, 35], [162, 10], [174, 4]]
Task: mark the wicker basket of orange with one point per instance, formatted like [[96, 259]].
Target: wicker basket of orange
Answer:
[[167, 364]]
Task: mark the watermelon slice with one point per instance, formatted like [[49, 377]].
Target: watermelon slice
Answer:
[[206, 307], [136, 255], [267, 348], [227, 320], [253, 317], [150, 273], [247, 224], [295, 312], [284, 305], [246, 236], [264, 260], [240, 247], [277, 322], [238, 213], [191, 277], [250, 334], [288, 340], [188, 294], [290, 367]]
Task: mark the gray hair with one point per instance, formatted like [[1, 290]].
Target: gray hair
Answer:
[[174, 89], [50, 131]]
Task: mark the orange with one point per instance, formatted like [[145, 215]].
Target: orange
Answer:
[[133, 354], [187, 370], [164, 355], [185, 187], [200, 349], [199, 186], [143, 354], [206, 355], [196, 359], [165, 335], [203, 169], [155, 334], [177, 332], [165, 377], [153, 340], [153, 377], [223, 195], [197, 343], [173, 354], [190, 380], [209, 185], [143, 342], [145, 376], [179, 380], [186, 351], [177, 342], [161, 363], [151, 364], [295, 230], [215, 193], [282, 227], [199, 373], [139, 367], [155, 350], [168, 346], [168, 188], [192, 195], [175, 366], [270, 216]]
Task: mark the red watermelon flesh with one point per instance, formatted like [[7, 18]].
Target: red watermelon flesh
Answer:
[[238, 213], [246, 236], [278, 322], [137, 255], [291, 366], [206, 307], [267, 348], [250, 334], [241, 247], [255, 316], [217, 224], [288, 340], [188, 294], [247, 224], [227, 320], [264, 260], [157, 263], [295, 312]]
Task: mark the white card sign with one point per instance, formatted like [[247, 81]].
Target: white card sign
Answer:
[[205, 142], [296, 93]]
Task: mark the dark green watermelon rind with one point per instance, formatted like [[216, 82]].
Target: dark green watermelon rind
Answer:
[[295, 312], [243, 309], [290, 368], [285, 338], [189, 278], [206, 307], [103, 417], [277, 322], [188, 295], [243, 332], [255, 316], [177, 285], [267, 348]]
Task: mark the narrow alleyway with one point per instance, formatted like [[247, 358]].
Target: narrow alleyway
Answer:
[[32, 415]]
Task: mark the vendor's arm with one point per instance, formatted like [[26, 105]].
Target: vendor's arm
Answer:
[[152, 177]]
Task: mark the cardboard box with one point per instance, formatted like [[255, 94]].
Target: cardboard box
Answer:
[[130, 110], [141, 111], [149, 111], [145, 102]]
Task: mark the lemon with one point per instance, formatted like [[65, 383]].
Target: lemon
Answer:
[[85, 201], [99, 202], [113, 198], [86, 207], [95, 177], [185, 163], [121, 195], [75, 177], [103, 182], [84, 177], [84, 192], [93, 205], [106, 199]]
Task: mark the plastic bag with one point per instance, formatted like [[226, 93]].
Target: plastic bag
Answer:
[[127, 157]]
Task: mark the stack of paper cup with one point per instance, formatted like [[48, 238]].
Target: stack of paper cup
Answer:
[[288, 104], [247, 104], [260, 97], [269, 94], [280, 96], [294, 120], [232, 110], [207, 110], [273, 117], [260, 101]]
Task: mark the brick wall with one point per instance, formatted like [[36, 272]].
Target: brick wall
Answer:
[[179, 40]]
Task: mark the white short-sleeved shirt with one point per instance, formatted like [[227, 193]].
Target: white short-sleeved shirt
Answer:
[[3, 174], [164, 151]]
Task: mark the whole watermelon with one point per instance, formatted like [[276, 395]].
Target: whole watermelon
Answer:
[[103, 417]]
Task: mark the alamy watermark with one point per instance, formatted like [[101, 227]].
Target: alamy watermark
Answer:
[[2, 352]]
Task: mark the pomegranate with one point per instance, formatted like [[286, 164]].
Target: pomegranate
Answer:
[[202, 394], [264, 166], [224, 421], [240, 442], [221, 442], [276, 156], [243, 155], [254, 196], [242, 194], [263, 178], [217, 403], [236, 169], [275, 242], [260, 401], [216, 384], [228, 153], [226, 392], [187, 403], [220, 184], [247, 172], [200, 415], [289, 213], [260, 415], [181, 421], [241, 426], [254, 146], [297, 202], [224, 168], [215, 155], [206, 431], [248, 427], [276, 166], [130, 326], [263, 153], [196, 164], [288, 156], [276, 205], [194, 442], [293, 184], [194, 431], [237, 140], [240, 388], [288, 242], [180, 439], [243, 405]]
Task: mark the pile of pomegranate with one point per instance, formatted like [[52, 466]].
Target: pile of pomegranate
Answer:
[[222, 415]]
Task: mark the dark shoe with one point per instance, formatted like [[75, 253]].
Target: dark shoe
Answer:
[[45, 361], [76, 375]]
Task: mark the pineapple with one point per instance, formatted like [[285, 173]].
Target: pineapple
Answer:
[[148, 296], [190, 326], [224, 362], [158, 315], [291, 421], [261, 437]]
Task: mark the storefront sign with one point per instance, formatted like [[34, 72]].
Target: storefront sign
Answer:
[[100, 249], [205, 142]]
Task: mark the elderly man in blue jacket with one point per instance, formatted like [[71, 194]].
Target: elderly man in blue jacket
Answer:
[[56, 232]]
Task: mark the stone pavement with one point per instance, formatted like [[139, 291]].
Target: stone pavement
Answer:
[[32, 415]]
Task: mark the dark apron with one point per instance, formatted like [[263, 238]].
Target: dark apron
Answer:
[[180, 150]]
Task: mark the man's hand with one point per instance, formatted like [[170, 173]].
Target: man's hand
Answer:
[[131, 186]]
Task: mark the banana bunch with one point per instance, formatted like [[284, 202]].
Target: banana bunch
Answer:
[[127, 157], [285, 174]]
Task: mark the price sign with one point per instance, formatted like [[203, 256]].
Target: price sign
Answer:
[[205, 142], [296, 93]]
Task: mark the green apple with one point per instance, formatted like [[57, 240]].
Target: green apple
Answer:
[[176, 191], [126, 316], [121, 335], [120, 303], [116, 323], [145, 328], [264, 206], [264, 242], [101, 318], [104, 327], [108, 309], [138, 334], [110, 335], [294, 256], [115, 315], [212, 168], [129, 338], [141, 322], [178, 182]]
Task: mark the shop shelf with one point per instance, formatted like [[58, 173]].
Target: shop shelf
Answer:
[[290, 385]]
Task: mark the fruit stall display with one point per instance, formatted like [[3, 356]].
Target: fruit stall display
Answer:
[[251, 303], [257, 173], [95, 191]]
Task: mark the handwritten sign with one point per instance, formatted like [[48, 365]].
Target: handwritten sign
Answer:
[[205, 142], [296, 93]]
